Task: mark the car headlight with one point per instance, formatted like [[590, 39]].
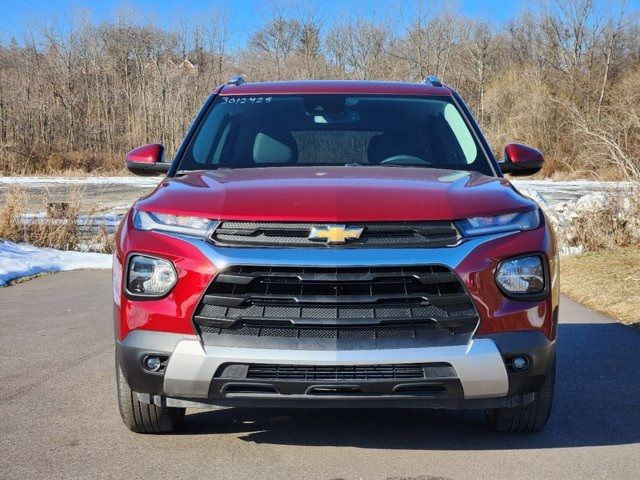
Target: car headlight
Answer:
[[164, 222], [521, 276], [149, 276], [519, 221]]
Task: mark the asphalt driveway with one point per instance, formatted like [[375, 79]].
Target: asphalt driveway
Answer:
[[59, 416]]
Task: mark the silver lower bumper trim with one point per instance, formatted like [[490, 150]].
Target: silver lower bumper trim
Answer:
[[479, 365], [192, 366]]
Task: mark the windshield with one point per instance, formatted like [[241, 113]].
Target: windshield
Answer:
[[320, 130]]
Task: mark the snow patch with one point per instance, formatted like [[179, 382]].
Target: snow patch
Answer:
[[565, 203], [566, 251], [567, 191], [88, 224], [38, 181], [20, 260]]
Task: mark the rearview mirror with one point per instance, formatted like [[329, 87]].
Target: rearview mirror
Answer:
[[521, 160], [147, 160]]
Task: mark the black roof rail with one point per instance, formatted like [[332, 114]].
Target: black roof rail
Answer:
[[433, 81], [236, 80]]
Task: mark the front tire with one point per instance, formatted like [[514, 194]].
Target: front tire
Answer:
[[531, 417], [142, 418]]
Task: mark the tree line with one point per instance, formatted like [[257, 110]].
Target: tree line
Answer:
[[564, 78]]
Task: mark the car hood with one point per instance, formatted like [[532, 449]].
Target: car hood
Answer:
[[335, 194]]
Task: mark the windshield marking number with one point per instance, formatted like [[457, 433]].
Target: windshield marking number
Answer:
[[243, 100]]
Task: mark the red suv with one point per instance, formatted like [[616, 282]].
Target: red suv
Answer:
[[335, 244]]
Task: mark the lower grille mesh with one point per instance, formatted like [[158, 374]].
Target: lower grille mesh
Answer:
[[384, 331], [340, 372]]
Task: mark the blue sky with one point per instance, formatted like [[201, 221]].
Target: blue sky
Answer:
[[19, 15], [243, 15]]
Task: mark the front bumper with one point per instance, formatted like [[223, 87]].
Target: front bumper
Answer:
[[481, 377], [192, 375]]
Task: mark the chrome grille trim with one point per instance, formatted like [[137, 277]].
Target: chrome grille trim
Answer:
[[426, 234]]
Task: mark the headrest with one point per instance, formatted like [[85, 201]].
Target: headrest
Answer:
[[268, 148]]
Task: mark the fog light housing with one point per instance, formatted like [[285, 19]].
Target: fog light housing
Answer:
[[519, 363], [150, 277], [521, 276], [152, 363]]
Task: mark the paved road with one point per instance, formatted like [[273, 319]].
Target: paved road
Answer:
[[59, 417]]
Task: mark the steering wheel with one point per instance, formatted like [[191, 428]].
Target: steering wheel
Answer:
[[404, 160]]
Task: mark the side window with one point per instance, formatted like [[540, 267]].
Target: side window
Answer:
[[461, 132]]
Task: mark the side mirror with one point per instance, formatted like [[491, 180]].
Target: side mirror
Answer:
[[521, 160], [147, 160]]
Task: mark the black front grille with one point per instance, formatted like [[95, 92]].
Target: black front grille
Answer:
[[421, 329], [377, 234], [339, 372], [336, 303]]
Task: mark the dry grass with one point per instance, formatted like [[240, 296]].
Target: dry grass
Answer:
[[10, 222], [607, 281], [104, 241], [607, 277], [58, 229], [61, 164]]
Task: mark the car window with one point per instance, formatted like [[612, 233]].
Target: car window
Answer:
[[312, 130]]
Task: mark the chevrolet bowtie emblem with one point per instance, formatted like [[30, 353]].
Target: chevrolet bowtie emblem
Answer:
[[335, 233]]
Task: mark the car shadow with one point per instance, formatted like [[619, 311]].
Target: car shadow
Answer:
[[597, 403]]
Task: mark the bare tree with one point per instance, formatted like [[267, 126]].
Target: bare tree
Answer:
[[359, 47], [480, 48], [429, 40], [276, 41], [564, 77]]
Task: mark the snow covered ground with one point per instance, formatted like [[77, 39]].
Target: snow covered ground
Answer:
[[20, 260], [555, 193], [99, 195], [566, 203], [88, 225], [143, 182]]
